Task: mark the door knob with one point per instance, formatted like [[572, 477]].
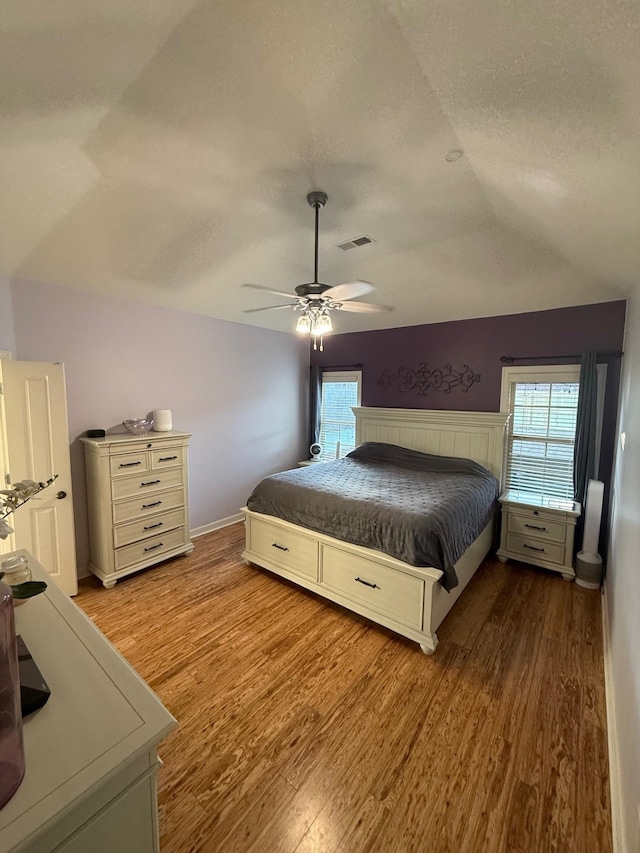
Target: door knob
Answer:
[[61, 495]]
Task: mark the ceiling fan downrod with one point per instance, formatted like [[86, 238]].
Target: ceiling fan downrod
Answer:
[[317, 200]]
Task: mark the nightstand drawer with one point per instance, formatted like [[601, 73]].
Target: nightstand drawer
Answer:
[[149, 549], [535, 549], [539, 515], [530, 525], [134, 531], [154, 481]]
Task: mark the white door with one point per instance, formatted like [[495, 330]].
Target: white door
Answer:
[[37, 447]]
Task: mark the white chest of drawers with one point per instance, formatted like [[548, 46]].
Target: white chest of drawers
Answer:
[[540, 532], [137, 491]]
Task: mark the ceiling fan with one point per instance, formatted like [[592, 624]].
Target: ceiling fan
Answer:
[[315, 300]]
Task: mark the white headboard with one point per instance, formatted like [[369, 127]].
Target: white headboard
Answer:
[[471, 435]]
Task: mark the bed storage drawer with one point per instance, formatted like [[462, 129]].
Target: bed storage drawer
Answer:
[[280, 545], [384, 590]]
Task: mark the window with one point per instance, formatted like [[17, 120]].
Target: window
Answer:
[[543, 403], [340, 391]]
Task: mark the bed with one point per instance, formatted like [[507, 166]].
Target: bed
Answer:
[[409, 599]]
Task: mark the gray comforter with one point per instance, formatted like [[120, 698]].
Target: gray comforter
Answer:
[[424, 510]]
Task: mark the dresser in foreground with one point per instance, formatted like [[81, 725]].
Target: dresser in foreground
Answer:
[[91, 751], [137, 490]]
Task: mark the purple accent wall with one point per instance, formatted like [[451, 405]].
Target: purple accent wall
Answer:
[[241, 391], [480, 343]]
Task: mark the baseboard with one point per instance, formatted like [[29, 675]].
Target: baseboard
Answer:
[[612, 734], [215, 525]]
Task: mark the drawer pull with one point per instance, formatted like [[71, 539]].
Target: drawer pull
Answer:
[[167, 458], [153, 547], [129, 464], [531, 548], [280, 547], [151, 483], [367, 583], [535, 527], [155, 503], [152, 526]]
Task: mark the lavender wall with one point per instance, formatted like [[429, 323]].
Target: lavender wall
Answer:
[[7, 338], [240, 390], [480, 343]]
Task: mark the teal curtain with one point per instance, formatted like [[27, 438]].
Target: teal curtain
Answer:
[[315, 397], [585, 463]]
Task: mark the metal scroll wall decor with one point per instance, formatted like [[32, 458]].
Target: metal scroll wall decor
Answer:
[[422, 379]]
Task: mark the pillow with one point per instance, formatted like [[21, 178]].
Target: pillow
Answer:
[[378, 451]]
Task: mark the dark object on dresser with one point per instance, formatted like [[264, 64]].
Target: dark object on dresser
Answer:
[[34, 691]]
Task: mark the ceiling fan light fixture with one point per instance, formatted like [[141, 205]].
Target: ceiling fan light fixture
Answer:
[[304, 324], [323, 324]]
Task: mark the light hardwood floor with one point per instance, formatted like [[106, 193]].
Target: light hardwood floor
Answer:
[[305, 728]]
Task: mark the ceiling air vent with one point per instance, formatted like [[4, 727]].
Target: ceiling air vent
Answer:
[[357, 241]]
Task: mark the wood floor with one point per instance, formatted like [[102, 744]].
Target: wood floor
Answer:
[[305, 728]]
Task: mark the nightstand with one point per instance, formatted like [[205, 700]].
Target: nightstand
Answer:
[[539, 531]]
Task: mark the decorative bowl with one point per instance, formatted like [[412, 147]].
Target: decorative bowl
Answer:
[[137, 426]]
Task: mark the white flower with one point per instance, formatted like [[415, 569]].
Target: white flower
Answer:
[[12, 499], [5, 530], [27, 488]]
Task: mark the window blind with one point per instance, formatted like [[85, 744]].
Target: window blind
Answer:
[[541, 438], [337, 422]]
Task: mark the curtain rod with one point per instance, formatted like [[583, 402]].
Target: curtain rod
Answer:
[[509, 359], [357, 366]]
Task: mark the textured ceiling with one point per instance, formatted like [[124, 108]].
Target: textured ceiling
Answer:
[[162, 151]]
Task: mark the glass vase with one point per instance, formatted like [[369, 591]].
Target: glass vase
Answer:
[[11, 745]]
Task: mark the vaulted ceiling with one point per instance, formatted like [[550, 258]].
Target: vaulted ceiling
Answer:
[[162, 151]]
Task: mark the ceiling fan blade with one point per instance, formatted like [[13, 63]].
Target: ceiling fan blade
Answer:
[[269, 290], [363, 307], [349, 290], [268, 308]]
